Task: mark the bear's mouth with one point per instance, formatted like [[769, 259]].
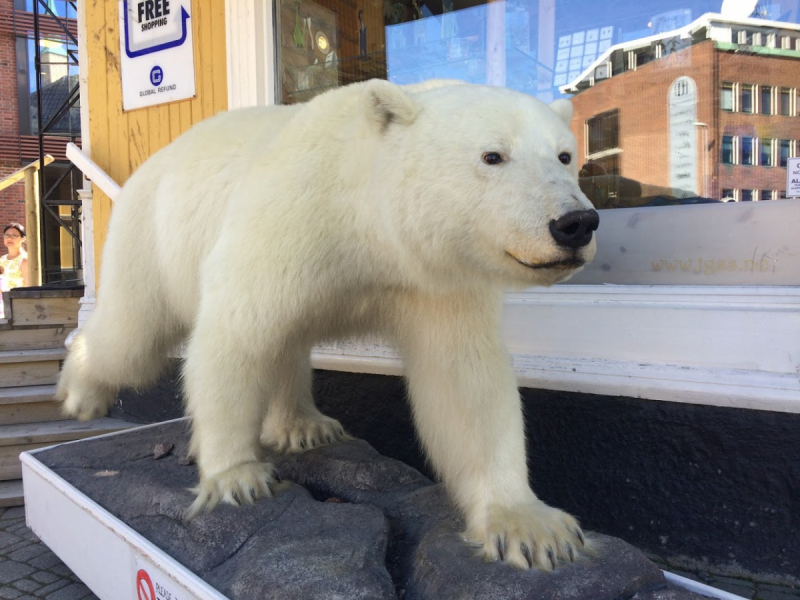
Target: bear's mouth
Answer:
[[566, 264]]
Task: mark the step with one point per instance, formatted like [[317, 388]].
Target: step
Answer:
[[33, 338], [43, 311], [27, 394], [11, 493], [30, 367], [29, 404], [29, 436], [23, 356]]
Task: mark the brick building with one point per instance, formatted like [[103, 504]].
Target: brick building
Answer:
[[19, 142], [709, 110]]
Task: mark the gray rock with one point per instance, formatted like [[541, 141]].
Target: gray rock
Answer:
[[346, 524]]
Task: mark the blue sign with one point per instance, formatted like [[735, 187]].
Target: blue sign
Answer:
[[156, 75]]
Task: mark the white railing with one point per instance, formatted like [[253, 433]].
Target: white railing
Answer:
[[92, 172]]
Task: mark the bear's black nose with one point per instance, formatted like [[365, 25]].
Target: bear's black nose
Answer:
[[575, 228]]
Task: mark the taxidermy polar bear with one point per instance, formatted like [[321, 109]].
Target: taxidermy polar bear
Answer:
[[404, 211]]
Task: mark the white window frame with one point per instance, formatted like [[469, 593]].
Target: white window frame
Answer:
[[753, 98], [734, 95], [733, 346]]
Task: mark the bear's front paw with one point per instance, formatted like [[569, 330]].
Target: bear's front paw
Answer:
[[242, 484], [528, 535], [301, 434]]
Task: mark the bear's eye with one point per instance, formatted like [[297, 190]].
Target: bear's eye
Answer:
[[565, 158], [492, 158]]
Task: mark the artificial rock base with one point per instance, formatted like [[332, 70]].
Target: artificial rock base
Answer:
[[347, 524]]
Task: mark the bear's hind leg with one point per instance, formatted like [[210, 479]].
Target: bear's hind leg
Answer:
[[293, 422], [124, 344]]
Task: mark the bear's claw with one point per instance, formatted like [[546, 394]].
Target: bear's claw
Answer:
[[304, 434], [529, 535], [245, 483]]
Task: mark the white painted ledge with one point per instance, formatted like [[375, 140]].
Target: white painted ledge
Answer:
[[720, 346]]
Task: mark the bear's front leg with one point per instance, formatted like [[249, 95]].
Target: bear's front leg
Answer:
[[225, 388], [468, 413]]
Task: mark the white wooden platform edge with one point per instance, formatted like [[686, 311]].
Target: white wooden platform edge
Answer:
[[110, 557]]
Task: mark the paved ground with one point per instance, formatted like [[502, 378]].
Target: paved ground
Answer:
[[29, 571]]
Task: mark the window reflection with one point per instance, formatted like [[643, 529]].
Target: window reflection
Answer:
[[674, 103]]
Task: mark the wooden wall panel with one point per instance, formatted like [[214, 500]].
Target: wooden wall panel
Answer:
[[121, 141]]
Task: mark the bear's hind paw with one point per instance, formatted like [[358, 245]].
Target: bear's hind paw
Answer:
[[85, 402], [242, 484], [530, 535], [304, 434]]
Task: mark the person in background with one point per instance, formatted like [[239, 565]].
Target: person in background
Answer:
[[15, 263]]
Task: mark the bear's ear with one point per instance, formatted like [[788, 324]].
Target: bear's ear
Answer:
[[385, 103], [563, 108]]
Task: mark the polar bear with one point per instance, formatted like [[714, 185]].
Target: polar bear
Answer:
[[374, 208]]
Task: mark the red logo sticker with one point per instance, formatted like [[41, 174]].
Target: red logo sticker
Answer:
[[144, 587]]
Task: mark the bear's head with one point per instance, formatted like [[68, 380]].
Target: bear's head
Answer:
[[478, 181]]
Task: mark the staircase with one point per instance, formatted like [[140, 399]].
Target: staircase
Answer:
[[37, 321]]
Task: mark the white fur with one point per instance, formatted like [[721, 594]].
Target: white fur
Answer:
[[262, 231]]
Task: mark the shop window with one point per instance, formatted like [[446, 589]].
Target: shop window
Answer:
[[669, 144], [747, 196], [603, 132], [747, 98], [786, 101], [728, 153], [726, 99], [785, 152], [766, 152], [748, 156], [766, 100], [767, 195]]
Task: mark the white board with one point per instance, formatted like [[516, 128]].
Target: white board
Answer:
[[157, 52]]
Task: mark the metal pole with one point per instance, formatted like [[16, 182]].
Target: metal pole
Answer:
[[37, 62]]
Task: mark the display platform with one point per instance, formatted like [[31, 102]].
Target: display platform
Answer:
[[346, 524]]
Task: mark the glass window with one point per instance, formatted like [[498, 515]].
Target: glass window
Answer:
[[766, 152], [766, 195], [677, 131], [603, 132], [727, 150], [726, 101], [59, 87], [786, 101], [747, 98], [748, 157], [728, 195], [785, 152], [766, 100], [747, 195]]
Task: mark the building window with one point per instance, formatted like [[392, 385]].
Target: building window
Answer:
[[728, 195], [747, 196], [603, 132], [786, 42], [766, 195], [786, 101], [766, 152], [726, 100], [747, 98], [785, 152], [766, 100], [727, 150], [748, 157]]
